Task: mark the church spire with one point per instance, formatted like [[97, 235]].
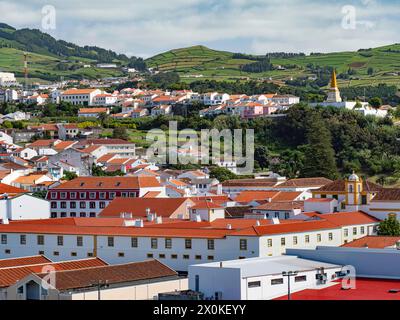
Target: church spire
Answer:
[[333, 80]]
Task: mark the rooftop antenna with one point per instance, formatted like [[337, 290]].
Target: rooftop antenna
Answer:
[[26, 69]]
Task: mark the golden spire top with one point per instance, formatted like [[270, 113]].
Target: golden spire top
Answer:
[[333, 80]]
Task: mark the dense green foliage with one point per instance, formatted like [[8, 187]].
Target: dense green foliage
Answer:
[[389, 227]]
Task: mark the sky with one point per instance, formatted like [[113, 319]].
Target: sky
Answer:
[[148, 27]]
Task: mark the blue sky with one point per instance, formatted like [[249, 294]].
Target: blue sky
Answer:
[[148, 27]]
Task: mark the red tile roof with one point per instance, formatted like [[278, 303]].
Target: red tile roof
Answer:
[[9, 276], [92, 110], [206, 205], [346, 218], [24, 261], [110, 183], [164, 207], [305, 182], [138, 271], [248, 196], [373, 242], [10, 190]]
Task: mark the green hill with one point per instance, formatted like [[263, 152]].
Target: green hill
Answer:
[[200, 62], [49, 59]]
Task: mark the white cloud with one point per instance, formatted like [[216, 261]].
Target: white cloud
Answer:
[[152, 26]]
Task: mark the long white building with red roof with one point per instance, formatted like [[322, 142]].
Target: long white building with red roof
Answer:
[[178, 243]]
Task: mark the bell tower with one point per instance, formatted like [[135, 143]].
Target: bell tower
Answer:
[[334, 93], [354, 189]]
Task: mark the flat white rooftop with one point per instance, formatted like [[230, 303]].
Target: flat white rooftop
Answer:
[[270, 265]]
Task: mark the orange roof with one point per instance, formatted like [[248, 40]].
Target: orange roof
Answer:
[[64, 145], [10, 190], [320, 200], [286, 196], [206, 205], [78, 91], [346, 218], [24, 261], [31, 179], [110, 183], [164, 207], [373, 242], [93, 110], [152, 194], [9, 276], [107, 157], [248, 196], [42, 143]]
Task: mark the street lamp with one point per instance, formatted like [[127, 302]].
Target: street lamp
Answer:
[[289, 274], [100, 284]]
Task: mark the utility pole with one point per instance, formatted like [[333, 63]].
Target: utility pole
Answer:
[[288, 275], [100, 284]]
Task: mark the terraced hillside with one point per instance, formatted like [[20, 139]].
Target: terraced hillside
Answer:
[[200, 62]]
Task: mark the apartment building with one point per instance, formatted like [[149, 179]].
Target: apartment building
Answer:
[[119, 147], [87, 196], [84, 97]]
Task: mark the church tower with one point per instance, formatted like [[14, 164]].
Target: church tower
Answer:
[[334, 93], [354, 190]]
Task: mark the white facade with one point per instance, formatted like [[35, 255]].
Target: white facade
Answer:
[[24, 207], [7, 79], [80, 97]]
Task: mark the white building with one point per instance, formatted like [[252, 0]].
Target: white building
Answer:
[[24, 207], [7, 79], [259, 278], [84, 97]]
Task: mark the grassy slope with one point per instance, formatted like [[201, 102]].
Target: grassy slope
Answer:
[[214, 64]]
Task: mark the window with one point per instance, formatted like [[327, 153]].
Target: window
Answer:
[[254, 284], [3, 239], [319, 237], [82, 205], [112, 195], [124, 194], [92, 205], [102, 195], [56, 253], [346, 232], [283, 242], [168, 243], [354, 231], [121, 254], [188, 243], [54, 215], [243, 244], [186, 257], [7, 251], [79, 241], [154, 243], [335, 196], [110, 241], [149, 255], [300, 278], [161, 256], [102, 205], [210, 258], [40, 240], [277, 281], [92, 195], [362, 230], [363, 200], [295, 240], [73, 195], [63, 205], [54, 205], [22, 239], [63, 214], [330, 236], [210, 244], [54, 195], [73, 254], [134, 242], [63, 195], [307, 239], [60, 240], [90, 254], [82, 215], [174, 256], [132, 195], [72, 205], [92, 215], [198, 257], [41, 253], [269, 243]]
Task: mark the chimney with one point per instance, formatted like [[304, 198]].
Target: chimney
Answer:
[[159, 220], [275, 221], [139, 223], [197, 218], [229, 227], [5, 221], [258, 223], [219, 189]]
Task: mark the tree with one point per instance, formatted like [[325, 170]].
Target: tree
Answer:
[[370, 71], [390, 226], [375, 102], [103, 117], [222, 174], [69, 176], [120, 133], [261, 156], [319, 154]]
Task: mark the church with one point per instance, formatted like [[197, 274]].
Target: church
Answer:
[[334, 99]]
